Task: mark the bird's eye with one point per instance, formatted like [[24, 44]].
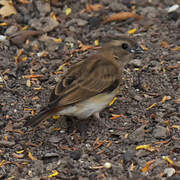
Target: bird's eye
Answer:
[[125, 46]]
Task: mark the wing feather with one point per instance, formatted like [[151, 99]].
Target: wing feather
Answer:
[[85, 80]]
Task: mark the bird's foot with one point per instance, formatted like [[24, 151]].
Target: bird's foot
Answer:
[[101, 121]]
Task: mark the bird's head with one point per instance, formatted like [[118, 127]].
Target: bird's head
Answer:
[[122, 48]]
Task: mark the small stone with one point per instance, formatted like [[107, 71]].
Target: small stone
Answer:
[[138, 134], [70, 39], [50, 155], [43, 8], [1, 80], [154, 63], [160, 132], [11, 30], [169, 171], [28, 83], [44, 70], [75, 155], [81, 22], [138, 98], [107, 165], [116, 6], [54, 139], [149, 12], [72, 28], [1, 123], [136, 62], [173, 8], [46, 24]]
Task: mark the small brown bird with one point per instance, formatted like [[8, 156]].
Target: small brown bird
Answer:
[[90, 85]]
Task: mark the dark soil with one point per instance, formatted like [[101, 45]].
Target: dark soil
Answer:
[[85, 149]]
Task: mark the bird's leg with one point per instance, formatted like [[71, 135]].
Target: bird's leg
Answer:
[[96, 115], [101, 120]]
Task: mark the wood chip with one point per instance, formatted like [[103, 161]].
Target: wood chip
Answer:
[[121, 16], [33, 76]]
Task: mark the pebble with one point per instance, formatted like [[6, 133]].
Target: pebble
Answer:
[[116, 6], [1, 80], [46, 24], [149, 12], [169, 171], [11, 30], [1, 123], [72, 28], [75, 155], [136, 63], [138, 98], [54, 139], [153, 63], [160, 132], [43, 8], [81, 22], [107, 165], [44, 70], [173, 8], [138, 134], [50, 155]]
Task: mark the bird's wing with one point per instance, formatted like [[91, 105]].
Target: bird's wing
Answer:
[[85, 80]]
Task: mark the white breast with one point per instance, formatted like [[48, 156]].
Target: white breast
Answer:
[[86, 108]]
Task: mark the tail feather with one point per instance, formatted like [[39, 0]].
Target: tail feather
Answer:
[[42, 116]]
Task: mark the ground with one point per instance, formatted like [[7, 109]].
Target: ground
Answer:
[[138, 136]]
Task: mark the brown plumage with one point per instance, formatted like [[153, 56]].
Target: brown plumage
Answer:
[[90, 85]]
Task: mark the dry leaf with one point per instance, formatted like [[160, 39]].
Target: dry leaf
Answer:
[[54, 2], [96, 42], [164, 44], [177, 48], [112, 102], [31, 156], [132, 31], [24, 1], [2, 162], [150, 107], [122, 16], [7, 9], [18, 156], [54, 173], [9, 126], [84, 47], [176, 126], [68, 11], [93, 7], [115, 116], [168, 159], [143, 47], [53, 16], [33, 76], [146, 167], [165, 98], [131, 168], [146, 147]]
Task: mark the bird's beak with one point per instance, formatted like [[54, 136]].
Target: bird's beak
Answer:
[[137, 50]]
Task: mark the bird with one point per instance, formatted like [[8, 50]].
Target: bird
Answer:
[[91, 84]]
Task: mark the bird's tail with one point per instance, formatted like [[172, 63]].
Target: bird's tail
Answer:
[[42, 116]]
